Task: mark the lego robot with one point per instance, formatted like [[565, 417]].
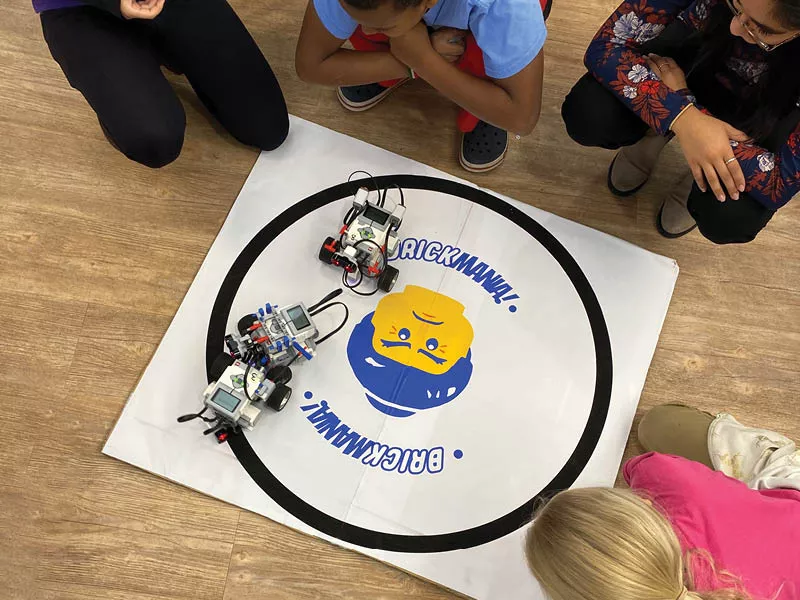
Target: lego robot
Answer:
[[254, 374], [367, 240]]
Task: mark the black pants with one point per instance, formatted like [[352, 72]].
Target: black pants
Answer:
[[595, 117], [116, 64]]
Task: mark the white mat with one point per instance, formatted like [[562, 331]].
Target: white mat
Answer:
[[441, 493]]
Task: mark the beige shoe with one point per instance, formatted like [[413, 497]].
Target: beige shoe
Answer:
[[632, 165], [678, 430], [674, 219]]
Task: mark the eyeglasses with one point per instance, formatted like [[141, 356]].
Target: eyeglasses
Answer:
[[744, 22]]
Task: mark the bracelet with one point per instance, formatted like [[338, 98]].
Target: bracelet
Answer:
[[680, 114]]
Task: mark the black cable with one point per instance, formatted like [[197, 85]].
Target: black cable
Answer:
[[351, 215], [402, 196], [327, 298], [374, 183], [193, 416], [386, 190], [246, 373], [352, 287], [342, 324], [214, 428], [378, 246], [346, 280], [396, 226]]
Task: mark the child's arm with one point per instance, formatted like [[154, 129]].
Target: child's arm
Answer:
[[320, 59], [512, 103]]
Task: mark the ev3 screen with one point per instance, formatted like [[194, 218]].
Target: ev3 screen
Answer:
[[225, 400], [298, 317], [376, 214]]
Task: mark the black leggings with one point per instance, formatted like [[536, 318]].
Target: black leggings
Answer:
[[595, 117], [116, 64]]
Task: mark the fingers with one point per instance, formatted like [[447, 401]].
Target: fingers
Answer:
[[735, 134], [699, 178], [457, 35], [452, 32], [653, 65], [713, 181], [735, 170], [727, 178], [448, 39], [141, 9], [660, 61]]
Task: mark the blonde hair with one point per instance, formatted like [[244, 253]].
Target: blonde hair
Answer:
[[611, 544]]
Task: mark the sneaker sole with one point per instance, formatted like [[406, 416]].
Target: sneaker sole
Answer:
[[473, 168], [362, 106]]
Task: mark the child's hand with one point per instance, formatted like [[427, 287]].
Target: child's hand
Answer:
[[668, 71], [449, 43], [706, 144], [414, 47], [141, 9]]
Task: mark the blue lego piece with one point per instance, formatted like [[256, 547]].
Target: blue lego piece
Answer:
[[302, 350]]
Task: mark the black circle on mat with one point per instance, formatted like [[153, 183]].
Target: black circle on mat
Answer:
[[443, 542]]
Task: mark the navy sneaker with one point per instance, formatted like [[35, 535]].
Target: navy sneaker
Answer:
[[359, 98], [484, 148]]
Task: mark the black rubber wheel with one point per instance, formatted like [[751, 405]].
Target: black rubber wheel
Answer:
[[388, 278], [325, 253], [279, 397], [280, 375], [222, 362], [245, 323]]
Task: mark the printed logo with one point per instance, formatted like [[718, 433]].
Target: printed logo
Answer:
[[388, 446], [413, 352]]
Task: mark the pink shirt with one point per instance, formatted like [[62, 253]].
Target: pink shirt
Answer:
[[754, 535]]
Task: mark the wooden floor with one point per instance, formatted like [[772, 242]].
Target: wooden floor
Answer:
[[96, 254]]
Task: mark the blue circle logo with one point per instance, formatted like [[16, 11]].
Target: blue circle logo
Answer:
[[413, 352]]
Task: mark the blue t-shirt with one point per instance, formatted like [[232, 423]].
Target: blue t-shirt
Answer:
[[510, 33]]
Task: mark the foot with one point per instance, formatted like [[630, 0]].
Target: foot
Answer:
[[674, 219], [632, 166], [359, 98], [484, 148], [677, 429]]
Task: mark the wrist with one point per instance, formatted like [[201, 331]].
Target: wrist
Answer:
[[684, 119], [427, 65]]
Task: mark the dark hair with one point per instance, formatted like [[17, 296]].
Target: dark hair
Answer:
[[788, 13], [373, 4], [777, 91]]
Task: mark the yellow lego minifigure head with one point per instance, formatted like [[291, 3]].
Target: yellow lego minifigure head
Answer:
[[421, 328]]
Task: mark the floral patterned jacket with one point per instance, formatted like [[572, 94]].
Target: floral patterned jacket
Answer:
[[615, 59]]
